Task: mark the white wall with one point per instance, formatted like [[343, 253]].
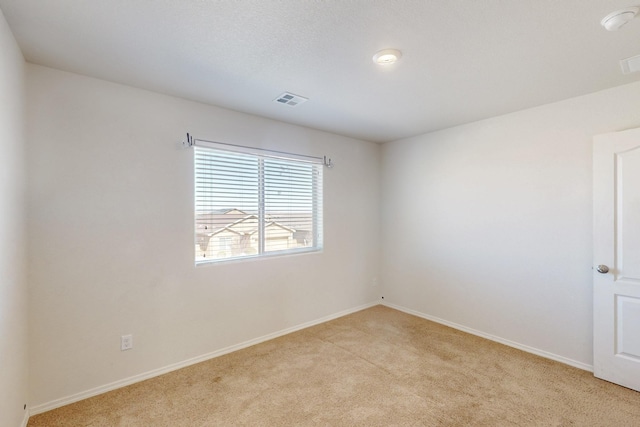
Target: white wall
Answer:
[[13, 286], [110, 204], [488, 225]]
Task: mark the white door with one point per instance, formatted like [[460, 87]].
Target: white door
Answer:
[[616, 234]]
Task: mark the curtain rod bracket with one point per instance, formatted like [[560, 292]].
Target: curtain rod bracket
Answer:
[[327, 162], [189, 142]]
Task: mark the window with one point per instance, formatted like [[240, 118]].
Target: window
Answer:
[[251, 204]]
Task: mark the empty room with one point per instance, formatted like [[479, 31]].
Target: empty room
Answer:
[[306, 212]]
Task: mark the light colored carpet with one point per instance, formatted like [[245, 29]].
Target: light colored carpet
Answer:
[[377, 367]]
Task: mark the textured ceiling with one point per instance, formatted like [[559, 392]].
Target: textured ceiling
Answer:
[[463, 60]]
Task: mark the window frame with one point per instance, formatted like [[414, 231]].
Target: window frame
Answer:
[[315, 198]]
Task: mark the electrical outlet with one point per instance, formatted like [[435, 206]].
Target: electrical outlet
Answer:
[[126, 342]]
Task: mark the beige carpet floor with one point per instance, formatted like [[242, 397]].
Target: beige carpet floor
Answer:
[[377, 367]]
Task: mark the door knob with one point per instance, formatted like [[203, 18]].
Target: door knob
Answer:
[[602, 269]]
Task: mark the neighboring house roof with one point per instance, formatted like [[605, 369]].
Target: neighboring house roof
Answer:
[[214, 220], [226, 211], [277, 224], [235, 224], [233, 211]]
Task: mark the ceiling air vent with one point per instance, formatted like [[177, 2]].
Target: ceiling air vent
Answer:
[[630, 65], [290, 99]]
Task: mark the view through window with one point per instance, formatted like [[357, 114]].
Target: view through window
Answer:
[[249, 205]]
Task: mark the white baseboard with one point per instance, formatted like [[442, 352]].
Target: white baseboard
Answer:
[[25, 419], [38, 409], [481, 334]]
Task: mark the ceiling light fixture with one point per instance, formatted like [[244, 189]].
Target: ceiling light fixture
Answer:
[[616, 20], [387, 56]]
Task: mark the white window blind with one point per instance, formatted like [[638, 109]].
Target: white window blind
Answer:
[[251, 204]]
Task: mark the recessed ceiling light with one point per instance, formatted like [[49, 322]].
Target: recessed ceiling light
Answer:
[[387, 56], [615, 20]]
